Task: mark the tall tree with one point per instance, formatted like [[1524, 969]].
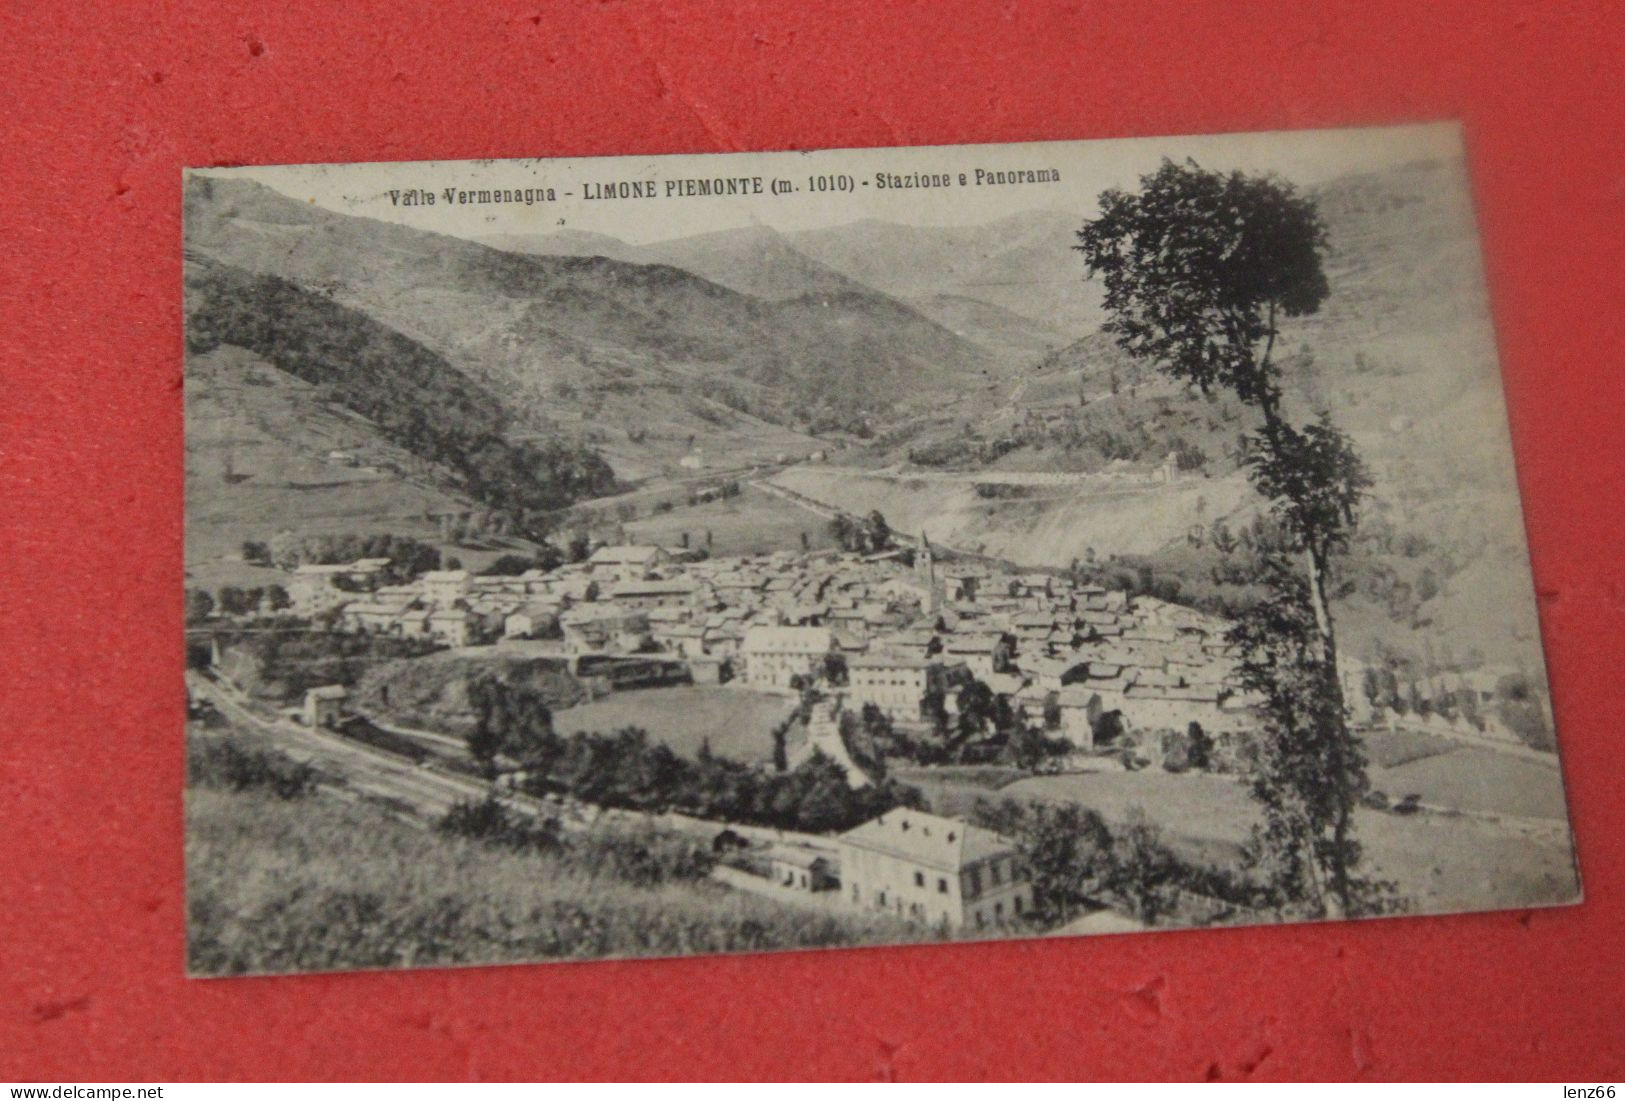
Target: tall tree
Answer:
[[1200, 267], [877, 533]]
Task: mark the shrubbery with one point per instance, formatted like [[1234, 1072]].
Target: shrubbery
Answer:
[[488, 821], [223, 764], [626, 769], [355, 888], [861, 536], [283, 664], [408, 557], [1192, 748], [1076, 861], [643, 857], [1519, 707]]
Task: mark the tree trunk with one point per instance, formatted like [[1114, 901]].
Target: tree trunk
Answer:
[[1316, 557], [1315, 562]]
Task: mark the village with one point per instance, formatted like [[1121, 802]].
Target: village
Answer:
[[1108, 681], [885, 629], [891, 633]]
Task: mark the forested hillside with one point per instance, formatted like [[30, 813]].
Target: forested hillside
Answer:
[[602, 349], [413, 396]]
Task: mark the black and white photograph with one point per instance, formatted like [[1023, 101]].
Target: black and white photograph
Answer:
[[674, 555]]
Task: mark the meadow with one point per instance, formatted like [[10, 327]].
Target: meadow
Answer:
[[1438, 862], [1478, 780], [738, 723], [755, 522]]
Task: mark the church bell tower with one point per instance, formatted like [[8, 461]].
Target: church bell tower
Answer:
[[925, 571]]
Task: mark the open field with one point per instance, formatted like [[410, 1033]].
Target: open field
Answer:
[[1206, 817], [952, 790], [1449, 864], [737, 722], [1392, 748], [313, 885], [264, 453], [1479, 780], [1441, 863], [752, 523], [259, 447]]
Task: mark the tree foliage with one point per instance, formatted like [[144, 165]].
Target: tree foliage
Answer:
[[626, 768], [408, 557], [1197, 265], [1067, 852], [1199, 268], [1304, 769], [1076, 862], [511, 719], [1314, 480], [866, 535], [546, 558], [199, 605]]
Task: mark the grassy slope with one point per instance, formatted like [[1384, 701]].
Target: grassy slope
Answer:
[[1442, 864], [581, 342], [754, 522], [318, 885], [738, 723], [1023, 263], [272, 433], [275, 434], [1478, 780]]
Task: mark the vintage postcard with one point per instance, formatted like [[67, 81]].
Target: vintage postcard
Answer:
[[687, 554]]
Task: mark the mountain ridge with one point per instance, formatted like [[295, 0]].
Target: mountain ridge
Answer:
[[559, 337]]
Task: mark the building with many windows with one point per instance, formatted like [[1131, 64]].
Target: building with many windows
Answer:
[[774, 655], [893, 682], [443, 588], [932, 870]]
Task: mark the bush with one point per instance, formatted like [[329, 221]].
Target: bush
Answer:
[[408, 557], [281, 665], [1132, 761], [1519, 707], [511, 565], [643, 858], [487, 820], [1199, 746], [1074, 861], [199, 606], [1176, 752], [223, 764], [627, 770]]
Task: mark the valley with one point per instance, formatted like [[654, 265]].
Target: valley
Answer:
[[951, 378], [731, 560]]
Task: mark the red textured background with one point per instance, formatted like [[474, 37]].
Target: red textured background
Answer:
[[104, 104]]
